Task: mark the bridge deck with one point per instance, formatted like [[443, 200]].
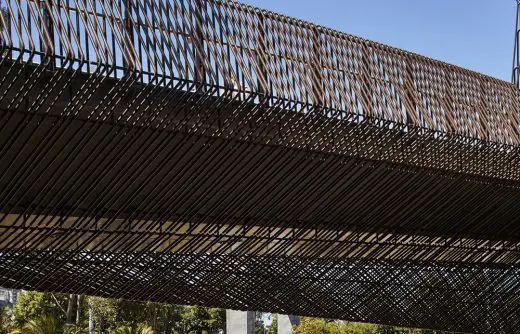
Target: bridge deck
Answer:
[[208, 152]]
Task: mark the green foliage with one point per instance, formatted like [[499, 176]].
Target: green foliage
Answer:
[[5, 320], [29, 305], [195, 319], [161, 317], [137, 329], [43, 325], [218, 318], [273, 328], [73, 329], [310, 326], [386, 330], [104, 311], [45, 313], [323, 326], [32, 305], [122, 315], [351, 327]]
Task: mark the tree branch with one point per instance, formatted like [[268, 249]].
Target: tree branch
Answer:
[[58, 303]]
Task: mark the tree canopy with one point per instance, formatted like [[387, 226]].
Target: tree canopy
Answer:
[[42, 313], [37, 310]]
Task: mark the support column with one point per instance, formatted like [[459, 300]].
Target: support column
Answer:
[[286, 323], [240, 322]]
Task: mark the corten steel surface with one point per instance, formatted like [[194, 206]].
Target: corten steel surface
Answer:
[[207, 152]]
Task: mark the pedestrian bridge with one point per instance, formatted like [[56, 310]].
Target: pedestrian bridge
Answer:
[[207, 152]]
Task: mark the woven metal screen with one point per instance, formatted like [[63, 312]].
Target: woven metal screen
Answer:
[[208, 152]]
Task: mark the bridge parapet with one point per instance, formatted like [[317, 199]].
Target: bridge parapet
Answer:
[[228, 49]]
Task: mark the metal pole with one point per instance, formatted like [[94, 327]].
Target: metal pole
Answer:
[[49, 26], [129, 30], [198, 44], [317, 81], [516, 49]]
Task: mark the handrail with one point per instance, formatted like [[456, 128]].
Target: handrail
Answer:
[[225, 46]]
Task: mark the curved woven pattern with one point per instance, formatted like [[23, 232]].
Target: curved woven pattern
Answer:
[[207, 152]]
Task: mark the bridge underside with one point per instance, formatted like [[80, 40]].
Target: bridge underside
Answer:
[[362, 183], [453, 297], [224, 203], [157, 154]]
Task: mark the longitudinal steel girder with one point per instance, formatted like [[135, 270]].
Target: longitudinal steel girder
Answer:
[[208, 152]]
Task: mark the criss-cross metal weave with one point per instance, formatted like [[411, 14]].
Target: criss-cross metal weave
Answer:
[[208, 152]]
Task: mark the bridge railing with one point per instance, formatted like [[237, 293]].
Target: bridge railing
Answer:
[[225, 48]]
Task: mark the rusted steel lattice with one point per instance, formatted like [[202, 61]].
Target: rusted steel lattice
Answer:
[[208, 152]]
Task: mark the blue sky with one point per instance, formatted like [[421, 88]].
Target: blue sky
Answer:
[[475, 34]]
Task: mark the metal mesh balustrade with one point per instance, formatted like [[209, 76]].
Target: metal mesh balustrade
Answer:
[[208, 152]]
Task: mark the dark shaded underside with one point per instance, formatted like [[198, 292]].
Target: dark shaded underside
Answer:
[[198, 200]]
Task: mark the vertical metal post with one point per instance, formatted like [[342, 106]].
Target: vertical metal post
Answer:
[[260, 54], [198, 45], [49, 26], [515, 78], [129, 31], [366, 77], [317, 83], [408, 86]]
